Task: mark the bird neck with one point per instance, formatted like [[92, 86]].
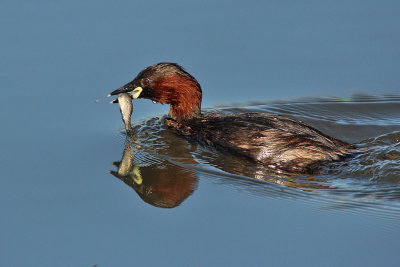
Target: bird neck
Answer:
[[183, 94]]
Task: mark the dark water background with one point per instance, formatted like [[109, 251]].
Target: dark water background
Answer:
[[76, 191]]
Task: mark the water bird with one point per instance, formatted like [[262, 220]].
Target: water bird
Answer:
[[279, 142]]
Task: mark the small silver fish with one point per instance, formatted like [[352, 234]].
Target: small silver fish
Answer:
[[125, 107]]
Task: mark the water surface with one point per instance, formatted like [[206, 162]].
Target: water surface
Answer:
[[159, 165]]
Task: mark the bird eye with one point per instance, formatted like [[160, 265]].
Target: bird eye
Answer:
[[145, 82]]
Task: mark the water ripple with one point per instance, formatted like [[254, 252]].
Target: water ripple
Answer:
[[367, 183]]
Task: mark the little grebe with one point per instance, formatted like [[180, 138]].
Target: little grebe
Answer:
[[277, 141]]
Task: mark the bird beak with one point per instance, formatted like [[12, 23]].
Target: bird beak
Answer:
[[129, 89]]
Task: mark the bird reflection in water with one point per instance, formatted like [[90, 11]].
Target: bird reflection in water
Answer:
[[160, 184]]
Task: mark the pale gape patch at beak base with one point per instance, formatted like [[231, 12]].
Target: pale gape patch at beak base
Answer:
[[136, 92]]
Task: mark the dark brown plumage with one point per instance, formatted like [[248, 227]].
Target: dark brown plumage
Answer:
[[279, 142]]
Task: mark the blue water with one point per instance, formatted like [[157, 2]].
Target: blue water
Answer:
[[59, 204]]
